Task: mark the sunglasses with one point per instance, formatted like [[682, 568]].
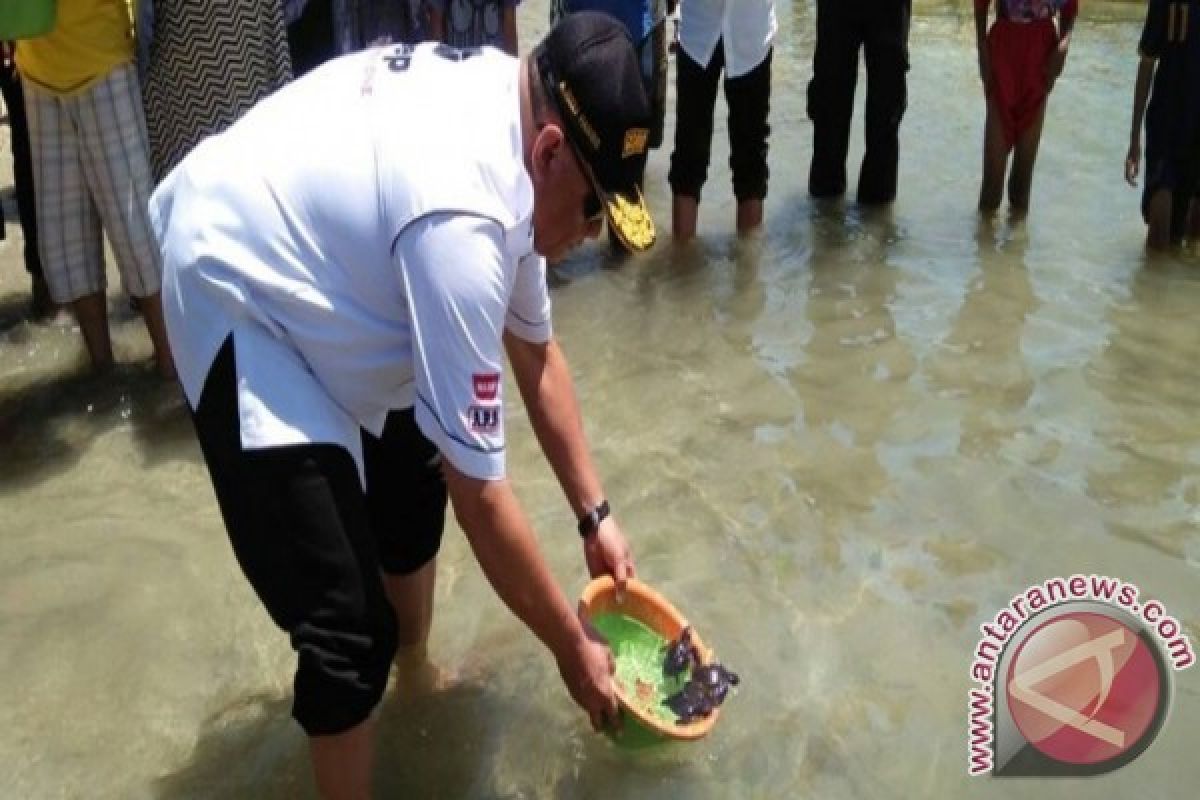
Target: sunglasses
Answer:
[[593, 208]]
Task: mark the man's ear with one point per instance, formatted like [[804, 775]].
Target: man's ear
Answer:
[[547, 147]]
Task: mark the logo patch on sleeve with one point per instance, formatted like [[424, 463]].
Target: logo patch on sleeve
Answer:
[[487, 385], [483, 419], [635, 142]]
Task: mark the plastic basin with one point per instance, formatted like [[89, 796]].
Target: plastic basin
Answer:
[[643, 604]]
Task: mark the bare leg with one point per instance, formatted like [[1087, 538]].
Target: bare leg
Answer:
[[684, 210], [1158, 221], [342, 763], [1020, 181], [995, 161], [1193, 226], [749, 215], [411, 597], [151, 308], [91, 312]]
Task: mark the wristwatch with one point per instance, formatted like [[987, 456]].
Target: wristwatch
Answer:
[[589, 523]]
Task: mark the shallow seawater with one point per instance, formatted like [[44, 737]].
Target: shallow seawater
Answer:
[[838, 448]]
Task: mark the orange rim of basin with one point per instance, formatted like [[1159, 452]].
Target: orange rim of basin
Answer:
[[655, 612]]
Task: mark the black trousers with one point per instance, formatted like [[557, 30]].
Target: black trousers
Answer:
[[880, 29], [749, 99], [313, 543], [14, 101]]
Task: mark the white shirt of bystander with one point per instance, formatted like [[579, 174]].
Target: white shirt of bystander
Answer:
[[746, 27]]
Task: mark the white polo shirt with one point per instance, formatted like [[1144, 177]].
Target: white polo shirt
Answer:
[[747, 28], [365, 234]]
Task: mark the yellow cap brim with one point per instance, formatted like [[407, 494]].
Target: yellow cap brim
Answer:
[[630, 220]]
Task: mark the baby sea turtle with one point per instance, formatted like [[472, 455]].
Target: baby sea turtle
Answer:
[[705, 690], [715, 680], [690, 702], [681, 654]]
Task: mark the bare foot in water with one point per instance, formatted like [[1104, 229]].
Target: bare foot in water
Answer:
[[417, 676]]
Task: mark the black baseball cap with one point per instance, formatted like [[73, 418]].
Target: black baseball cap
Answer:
[[591, 75]]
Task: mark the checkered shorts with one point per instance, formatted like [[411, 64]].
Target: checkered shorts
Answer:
[[91, 175]]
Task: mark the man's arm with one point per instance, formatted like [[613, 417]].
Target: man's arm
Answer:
[[451, 270], [1156, 32], [507, 551], [1141, 94], [1058, 59], [544, 380], [981, 46]]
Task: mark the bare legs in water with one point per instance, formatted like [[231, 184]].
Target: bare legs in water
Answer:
[[91, 312], [995, 162]]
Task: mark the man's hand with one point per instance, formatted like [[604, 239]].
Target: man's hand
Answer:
[[587, 667], [1055, 64], [985, 67], [1133, 161], [607, 553]]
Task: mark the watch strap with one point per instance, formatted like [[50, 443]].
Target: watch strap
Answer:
[[589, 523]]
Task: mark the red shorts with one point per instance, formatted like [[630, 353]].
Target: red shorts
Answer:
[[1018, 53]]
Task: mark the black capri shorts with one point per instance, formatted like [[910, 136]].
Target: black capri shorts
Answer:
[[749, 99], [314, 545]]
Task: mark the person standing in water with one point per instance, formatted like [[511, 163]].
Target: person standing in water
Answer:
[[91, 170], [342, 326], [733, 39], [1020, 59], [1170, 59], [880, 29]]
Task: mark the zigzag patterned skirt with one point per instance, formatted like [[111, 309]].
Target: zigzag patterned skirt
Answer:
[[209, 63]]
